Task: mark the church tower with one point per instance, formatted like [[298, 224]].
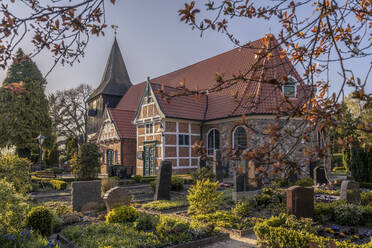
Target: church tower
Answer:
[[114, 84]]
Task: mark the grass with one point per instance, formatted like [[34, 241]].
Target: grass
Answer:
[[165, 205]]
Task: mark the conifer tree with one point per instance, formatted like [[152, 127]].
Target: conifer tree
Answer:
[[24, 116]]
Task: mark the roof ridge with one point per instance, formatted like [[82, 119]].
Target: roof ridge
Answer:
[[215, 56]]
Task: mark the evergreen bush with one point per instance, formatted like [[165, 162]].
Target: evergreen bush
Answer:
[[122, 214], [40, 219], [203, 197]]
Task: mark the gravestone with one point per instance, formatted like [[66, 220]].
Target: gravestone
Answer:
[[252, 182], [201, 162], [163, 184], [115, 197], [85, 192], [217, 165], [312, 166], [300, 201], [350, 192], [320, 176]]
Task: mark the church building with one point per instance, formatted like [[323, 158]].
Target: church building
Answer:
[[137, 127]]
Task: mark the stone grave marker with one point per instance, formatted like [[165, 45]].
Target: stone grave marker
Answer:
[[350, 192], [320, 176], [217, 165], [85, 192], [115, 197], [201, 162], [300, 201], [163, 184]]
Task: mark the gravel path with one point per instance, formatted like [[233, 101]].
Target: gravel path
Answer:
[[235, 242]]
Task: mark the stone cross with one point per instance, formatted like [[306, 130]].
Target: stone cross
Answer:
[[320, 176], [115, 197], [300, 201], [217, 165], [350, 192], [163, 184]]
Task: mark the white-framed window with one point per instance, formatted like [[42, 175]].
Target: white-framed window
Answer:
[[239, 138], [183, 139], [149, 128], [289, 88], [213, 141]]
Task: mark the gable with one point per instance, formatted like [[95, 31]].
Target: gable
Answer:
[[148, 107], [108, 130]]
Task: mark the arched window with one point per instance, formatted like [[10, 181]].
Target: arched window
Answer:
[[289, 87], [213, 141], [239, 138]]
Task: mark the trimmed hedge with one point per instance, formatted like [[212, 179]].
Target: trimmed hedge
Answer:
[[58, 184]]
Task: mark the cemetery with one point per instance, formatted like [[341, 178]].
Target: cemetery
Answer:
[[261, 141], [197, 209]]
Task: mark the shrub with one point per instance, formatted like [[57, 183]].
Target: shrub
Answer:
[[220, 218], [165, 205], [203, 173], [122, 214], [176, 183], [347, 214], [86, 164], [367, 215], [325, 211], [108, 183], [137, 178], [16, 171], [366, 198], [242, 208], [58, 184], [305, 182], [326, 192], [62, 209], [13, 208], [40, 219], [172, 230], [146, 222], [203, 197]]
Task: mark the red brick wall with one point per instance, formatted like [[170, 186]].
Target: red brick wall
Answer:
[[129, 152]]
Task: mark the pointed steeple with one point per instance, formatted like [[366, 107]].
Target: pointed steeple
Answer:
[[115, 80]]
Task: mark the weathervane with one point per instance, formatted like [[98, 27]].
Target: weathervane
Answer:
[[115, 28]]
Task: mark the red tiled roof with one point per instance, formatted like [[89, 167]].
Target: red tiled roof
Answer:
[[254, 96], [123, 122], [132, 97]]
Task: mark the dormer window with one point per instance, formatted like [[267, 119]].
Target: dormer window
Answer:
[[289, 88]]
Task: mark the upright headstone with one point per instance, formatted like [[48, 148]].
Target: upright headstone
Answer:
[[115, 197], [320, 176], [252, 182], [300, 201], [350, 192], [312, 166], [201, 162], [163, 184], [239, 180], [85, 192], [217, 165]]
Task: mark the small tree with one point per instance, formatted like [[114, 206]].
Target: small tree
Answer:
[[203, 197], [15, 170], [86, 164]]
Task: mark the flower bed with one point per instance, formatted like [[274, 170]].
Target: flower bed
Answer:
[[287, 231], [163, 231]]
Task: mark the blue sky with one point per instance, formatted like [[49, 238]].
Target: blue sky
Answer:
[[153, 42]]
